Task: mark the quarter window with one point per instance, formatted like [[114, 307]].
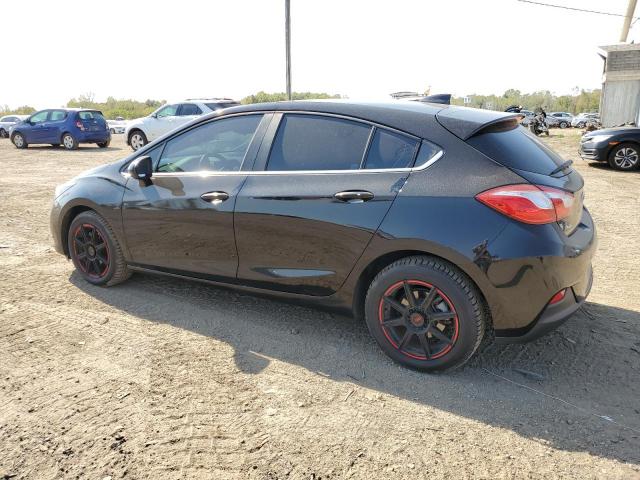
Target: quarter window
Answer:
[[218, 146], [390, 150], [314, 142]]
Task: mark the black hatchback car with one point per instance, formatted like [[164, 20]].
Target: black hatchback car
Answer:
[[436, 224]]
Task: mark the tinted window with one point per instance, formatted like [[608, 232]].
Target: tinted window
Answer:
[[517, 148], [390, 150], [39, 117], [215, 146], [189, 109], [167, 111], [90, 115], [309, 142], [57, 115]]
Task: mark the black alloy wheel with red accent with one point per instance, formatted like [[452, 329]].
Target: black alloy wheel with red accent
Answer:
[[425, 313], [95, 251]]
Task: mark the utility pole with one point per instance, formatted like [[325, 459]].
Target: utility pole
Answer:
[[631, 8], [287, 34]]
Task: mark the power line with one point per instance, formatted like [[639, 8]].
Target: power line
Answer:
[[564, 7]]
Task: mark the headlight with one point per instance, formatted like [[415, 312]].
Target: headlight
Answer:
[[598, 138]]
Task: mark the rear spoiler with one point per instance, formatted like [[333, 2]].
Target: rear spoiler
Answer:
[[465, 122]]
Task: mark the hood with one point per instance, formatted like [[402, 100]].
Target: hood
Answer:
[[613, 131]]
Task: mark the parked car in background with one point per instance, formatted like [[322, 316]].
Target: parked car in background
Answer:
[[564, 118], [435, 223], [619, 146], [117, 125], [141, 131], [9, 121], [581, 120], [67, 126], [528, 115]]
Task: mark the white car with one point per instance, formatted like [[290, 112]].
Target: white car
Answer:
[[143, 130], [564, 118], [118, 125], [9, 121]]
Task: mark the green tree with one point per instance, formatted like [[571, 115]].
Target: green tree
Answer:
[[262, 97]]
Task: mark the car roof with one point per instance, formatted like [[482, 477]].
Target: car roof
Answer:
[[414, 117]]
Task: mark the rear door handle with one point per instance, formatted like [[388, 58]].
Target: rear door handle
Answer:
[[215, 197], [354, 196]]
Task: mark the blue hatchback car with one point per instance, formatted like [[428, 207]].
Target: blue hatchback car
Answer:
[[62, 126]]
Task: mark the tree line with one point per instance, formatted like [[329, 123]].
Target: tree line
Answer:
[[579, 101]]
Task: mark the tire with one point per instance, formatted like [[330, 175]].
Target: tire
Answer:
[[403, 338], [112, 131], [137, 140], [19, 141], [580, 125], [3, 133], [104, 144], [69, 142], [95, 250], [625, 157], [564, 124]]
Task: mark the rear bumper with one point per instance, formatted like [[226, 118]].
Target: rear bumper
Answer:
[[94, 137], [553, 315]]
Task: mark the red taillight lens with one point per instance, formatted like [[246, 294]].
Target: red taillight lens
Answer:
[[79, 125], [529, 203], [558, 297]]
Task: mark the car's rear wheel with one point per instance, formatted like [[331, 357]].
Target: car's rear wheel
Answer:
[[19, 141], [69, 142], [104, 144], [95, 251], [425, 313], [137, 140], [3, 133], [625, 156], [112, 131], [580, 125]]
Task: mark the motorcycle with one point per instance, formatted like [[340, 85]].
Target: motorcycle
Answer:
[[538, 125]]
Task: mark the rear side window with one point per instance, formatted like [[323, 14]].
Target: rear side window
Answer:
[[517, 148], [90, 116], [189, 109], [313, 142], [57, 115], [390, 150], [218, 146]]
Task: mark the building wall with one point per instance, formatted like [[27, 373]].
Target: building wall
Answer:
[[620, 102]]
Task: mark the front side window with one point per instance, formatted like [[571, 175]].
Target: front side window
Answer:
[[39, 117], [218, 146], [314, 142], [168, 111], [57, 115], [189, 109], [391, 150]]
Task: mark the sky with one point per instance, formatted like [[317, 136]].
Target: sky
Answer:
[[359, 48]]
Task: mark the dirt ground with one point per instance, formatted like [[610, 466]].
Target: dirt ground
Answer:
[[166, 379]]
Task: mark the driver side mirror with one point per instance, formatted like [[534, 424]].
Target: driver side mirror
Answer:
[[141, 169]]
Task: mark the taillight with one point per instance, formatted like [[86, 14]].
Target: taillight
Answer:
[[79, 125], [533, 204]]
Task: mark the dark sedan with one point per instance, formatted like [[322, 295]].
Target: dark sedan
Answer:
[[619, 146], [436, 224]]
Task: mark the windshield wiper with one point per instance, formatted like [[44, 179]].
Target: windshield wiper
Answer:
[[566, 164]]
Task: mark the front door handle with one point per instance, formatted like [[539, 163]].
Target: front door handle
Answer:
[[215, 197], [354, 196]]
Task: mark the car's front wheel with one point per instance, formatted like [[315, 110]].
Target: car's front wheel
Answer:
[[3, 133], [19, 141], [625, 156], [137, 140], [425, 313], [95, 251], [69, 142], [564, 124]]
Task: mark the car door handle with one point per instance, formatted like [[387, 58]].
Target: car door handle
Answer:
[[214, 197], [354, 196]]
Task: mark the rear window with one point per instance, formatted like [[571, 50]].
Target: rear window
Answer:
[[517, 148], [90, 116]]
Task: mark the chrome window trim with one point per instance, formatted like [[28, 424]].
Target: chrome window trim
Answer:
[[363, 171]]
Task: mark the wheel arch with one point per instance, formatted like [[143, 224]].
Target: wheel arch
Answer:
[[67, 218], [369, 272]]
